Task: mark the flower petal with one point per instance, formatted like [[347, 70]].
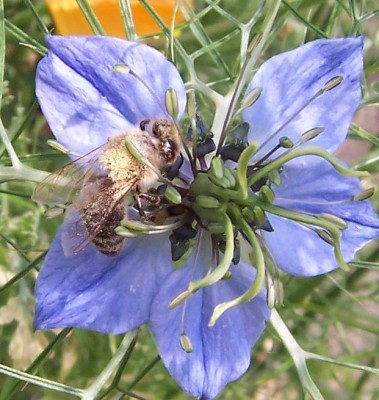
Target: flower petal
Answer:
[[221, 354], [93, 291], [86, 99], [290, 79], [313, 185], [298, 250]]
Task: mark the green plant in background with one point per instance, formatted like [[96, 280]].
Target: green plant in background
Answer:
[[286, 197]]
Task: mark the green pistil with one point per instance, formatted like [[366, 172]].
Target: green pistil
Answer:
[[257, 259], [243, 164], [312, 221], [218, 273], [304, 151], [224, 200]]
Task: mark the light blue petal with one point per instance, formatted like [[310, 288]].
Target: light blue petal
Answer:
[[221, 354], [85, 100], [93, 291], [298, 250], [315, 186], [290, 79]]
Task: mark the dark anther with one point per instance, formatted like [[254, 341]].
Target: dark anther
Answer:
[[257, 185], [264, 226], [185, 232], [204, 147], [160, 190], [232, 152], [204, 141], [202, 130], [173, 170], [235, 143], [178, 247]]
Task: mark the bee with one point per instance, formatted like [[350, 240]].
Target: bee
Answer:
[[97, 183]]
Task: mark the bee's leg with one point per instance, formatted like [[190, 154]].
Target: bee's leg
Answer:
[[151, 198], [139, 197], [138, 202]]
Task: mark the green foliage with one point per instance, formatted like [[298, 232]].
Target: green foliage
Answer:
[[335, 316]]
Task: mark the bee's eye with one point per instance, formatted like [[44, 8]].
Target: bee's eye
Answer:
[[156, 129], [143, 124]]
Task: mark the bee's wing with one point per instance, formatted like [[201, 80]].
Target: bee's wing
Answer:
[[100, 207], [63, 185]]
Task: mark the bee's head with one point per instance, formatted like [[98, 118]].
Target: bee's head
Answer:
[[165, 137]]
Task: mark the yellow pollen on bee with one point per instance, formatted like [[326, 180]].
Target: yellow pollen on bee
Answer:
[[119, 162]]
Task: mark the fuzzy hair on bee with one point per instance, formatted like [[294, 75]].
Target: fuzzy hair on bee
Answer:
[[96, 184]]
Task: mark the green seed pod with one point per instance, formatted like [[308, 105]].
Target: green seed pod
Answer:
[[266, 194], [274, 177], [216, 228], [259, 216], [172, 195], [221, 182], [217, 167], [207, 202], [230, 177]]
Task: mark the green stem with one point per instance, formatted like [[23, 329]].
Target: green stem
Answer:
[[90, 16], [2, 49], [95, 388], [299, 356], [35, 380], [127, 18], [246, 71]]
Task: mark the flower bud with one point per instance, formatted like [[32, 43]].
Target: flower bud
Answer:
[[172, 195]]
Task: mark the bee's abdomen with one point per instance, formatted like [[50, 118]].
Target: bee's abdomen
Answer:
[[107, 241], [100, 225]]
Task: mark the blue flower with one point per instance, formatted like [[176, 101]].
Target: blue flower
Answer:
[[88, 98], [310, 183]]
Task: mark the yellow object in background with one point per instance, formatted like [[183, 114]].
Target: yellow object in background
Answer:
[[69, 19]]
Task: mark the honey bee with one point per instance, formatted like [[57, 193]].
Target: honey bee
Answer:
[[97, 183]]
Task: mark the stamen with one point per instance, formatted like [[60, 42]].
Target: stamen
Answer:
[[125, 69], [55, 145], [171, 102], [185, 343], [251, 97], [366, 194], [331, 84]]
